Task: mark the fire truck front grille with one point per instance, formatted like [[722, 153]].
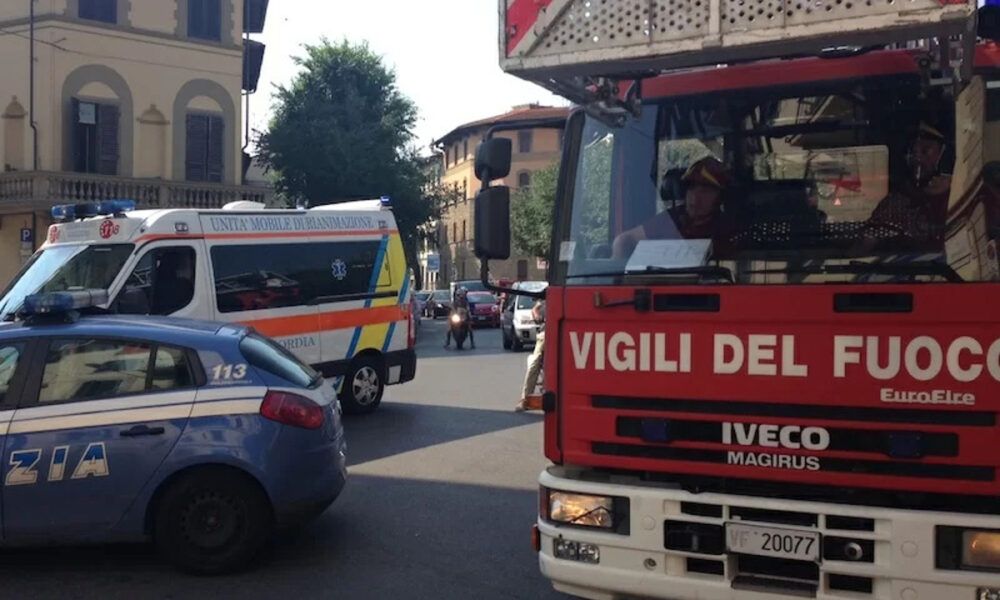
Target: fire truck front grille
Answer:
[[883, 443]]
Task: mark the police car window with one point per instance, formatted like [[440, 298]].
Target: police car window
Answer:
[[171, 370], [259, 277], [268, 356], [9, 356], [88, 369]]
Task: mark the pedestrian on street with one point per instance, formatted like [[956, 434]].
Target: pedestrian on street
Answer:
[[535, 360]]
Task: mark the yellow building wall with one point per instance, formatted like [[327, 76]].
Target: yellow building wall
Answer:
[[458, 259], [155, 68]]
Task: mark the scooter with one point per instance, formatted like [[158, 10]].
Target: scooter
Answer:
[[459, 324]]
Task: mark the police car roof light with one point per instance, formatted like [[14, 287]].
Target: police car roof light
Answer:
[[62, 302]]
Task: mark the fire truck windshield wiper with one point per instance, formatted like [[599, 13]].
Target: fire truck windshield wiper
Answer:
[[855, 267], [701, 271]]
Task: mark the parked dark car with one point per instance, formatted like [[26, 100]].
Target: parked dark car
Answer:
[[484, 308], [438, 305]]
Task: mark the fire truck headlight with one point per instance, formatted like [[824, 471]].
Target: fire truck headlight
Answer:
[[981, 550], [583, 510]]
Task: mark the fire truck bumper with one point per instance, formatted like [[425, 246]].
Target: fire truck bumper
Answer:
[[674, 547]]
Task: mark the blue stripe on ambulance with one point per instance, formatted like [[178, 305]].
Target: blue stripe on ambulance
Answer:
[[372, 284], [392, 326]]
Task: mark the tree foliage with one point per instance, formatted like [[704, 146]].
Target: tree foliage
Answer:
[[531, 213], [342, 130]]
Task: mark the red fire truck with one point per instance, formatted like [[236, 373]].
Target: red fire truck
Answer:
[[773, 336]]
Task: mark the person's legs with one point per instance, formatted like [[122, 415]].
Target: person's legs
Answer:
[[447, 336], [472, 337], [534, 369]]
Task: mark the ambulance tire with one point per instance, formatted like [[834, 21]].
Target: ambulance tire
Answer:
[[363, 386], [198, 507]]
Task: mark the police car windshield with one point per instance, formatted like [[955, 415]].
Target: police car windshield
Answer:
[[777, 186], [65, 268]]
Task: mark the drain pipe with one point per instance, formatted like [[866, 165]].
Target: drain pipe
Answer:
[[31, 86]]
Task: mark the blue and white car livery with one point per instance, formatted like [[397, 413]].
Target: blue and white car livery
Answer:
[[201, 436]]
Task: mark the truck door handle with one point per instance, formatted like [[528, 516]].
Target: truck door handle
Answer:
[[141, 430]]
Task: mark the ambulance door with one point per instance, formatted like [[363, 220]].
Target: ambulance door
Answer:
[[169, 278], [359, 305], [271, 285]]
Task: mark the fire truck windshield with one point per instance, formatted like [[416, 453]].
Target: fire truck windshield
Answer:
[[847, 182], [64, 268]]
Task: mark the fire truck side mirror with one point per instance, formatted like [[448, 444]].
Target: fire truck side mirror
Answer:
[[493, 159], [492, 223]]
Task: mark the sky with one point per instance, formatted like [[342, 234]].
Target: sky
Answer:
[[444, 52]]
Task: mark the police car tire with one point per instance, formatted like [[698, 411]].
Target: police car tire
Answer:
[[348, 402], [244, 496]]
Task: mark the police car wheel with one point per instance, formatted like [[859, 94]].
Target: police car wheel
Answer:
[[212, 521], [363, 386]]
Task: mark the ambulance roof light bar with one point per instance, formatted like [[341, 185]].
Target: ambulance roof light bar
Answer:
[[72, 212], [62, 303]]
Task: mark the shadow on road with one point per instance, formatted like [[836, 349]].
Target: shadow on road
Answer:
[[397, 428], [383, 538]]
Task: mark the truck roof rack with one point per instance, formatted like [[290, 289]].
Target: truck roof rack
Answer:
[[566, 45]]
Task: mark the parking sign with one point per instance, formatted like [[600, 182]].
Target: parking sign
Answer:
[[27, 235]]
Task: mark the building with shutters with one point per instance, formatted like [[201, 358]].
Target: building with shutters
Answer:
[[107, 99], [533, 149]]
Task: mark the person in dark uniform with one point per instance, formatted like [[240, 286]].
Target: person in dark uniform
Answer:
[[700, 217], [174, 282], [918, 206]]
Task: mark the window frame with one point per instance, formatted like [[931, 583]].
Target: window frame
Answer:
[[525, 139], [15, 391], [75, 127], [114, 12], [31, 391], [152, 251], [209, 117], [205, 38]]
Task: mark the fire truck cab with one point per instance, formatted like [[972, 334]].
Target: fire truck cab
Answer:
[[772, 355]]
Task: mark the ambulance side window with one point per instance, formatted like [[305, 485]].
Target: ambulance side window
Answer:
[[261, 277], [161, 283]]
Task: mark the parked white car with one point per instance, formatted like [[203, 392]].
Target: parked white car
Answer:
[[517, 325]]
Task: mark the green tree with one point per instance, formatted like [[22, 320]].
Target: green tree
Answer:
[[343, 130], [531, 213]]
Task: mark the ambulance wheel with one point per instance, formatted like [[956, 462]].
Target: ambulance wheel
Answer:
[[212, 521], [363, 386]]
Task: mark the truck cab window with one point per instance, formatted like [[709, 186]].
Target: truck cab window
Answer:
[[161, 283]]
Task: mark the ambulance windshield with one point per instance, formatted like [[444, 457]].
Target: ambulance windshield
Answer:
[[65, 268], [845, 183]]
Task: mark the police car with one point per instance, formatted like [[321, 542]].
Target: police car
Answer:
[[203, 437]]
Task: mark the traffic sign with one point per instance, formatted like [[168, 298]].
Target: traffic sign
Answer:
[[433, 263], [27, 235]]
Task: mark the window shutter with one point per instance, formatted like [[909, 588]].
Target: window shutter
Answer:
[[196, 168], [107, 139], [79, 165], [216, 141]]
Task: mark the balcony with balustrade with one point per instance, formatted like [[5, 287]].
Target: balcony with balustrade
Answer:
[[26, 191]]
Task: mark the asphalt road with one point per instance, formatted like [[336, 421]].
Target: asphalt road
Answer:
[[439, 504]]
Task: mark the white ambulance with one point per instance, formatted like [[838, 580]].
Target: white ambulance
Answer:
[[330, 284]]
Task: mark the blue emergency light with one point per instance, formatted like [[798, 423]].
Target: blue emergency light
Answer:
[[62, 302], [386, 201], [71, 212]]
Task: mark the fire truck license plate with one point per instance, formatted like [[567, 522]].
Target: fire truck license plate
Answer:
[[772, 541]]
